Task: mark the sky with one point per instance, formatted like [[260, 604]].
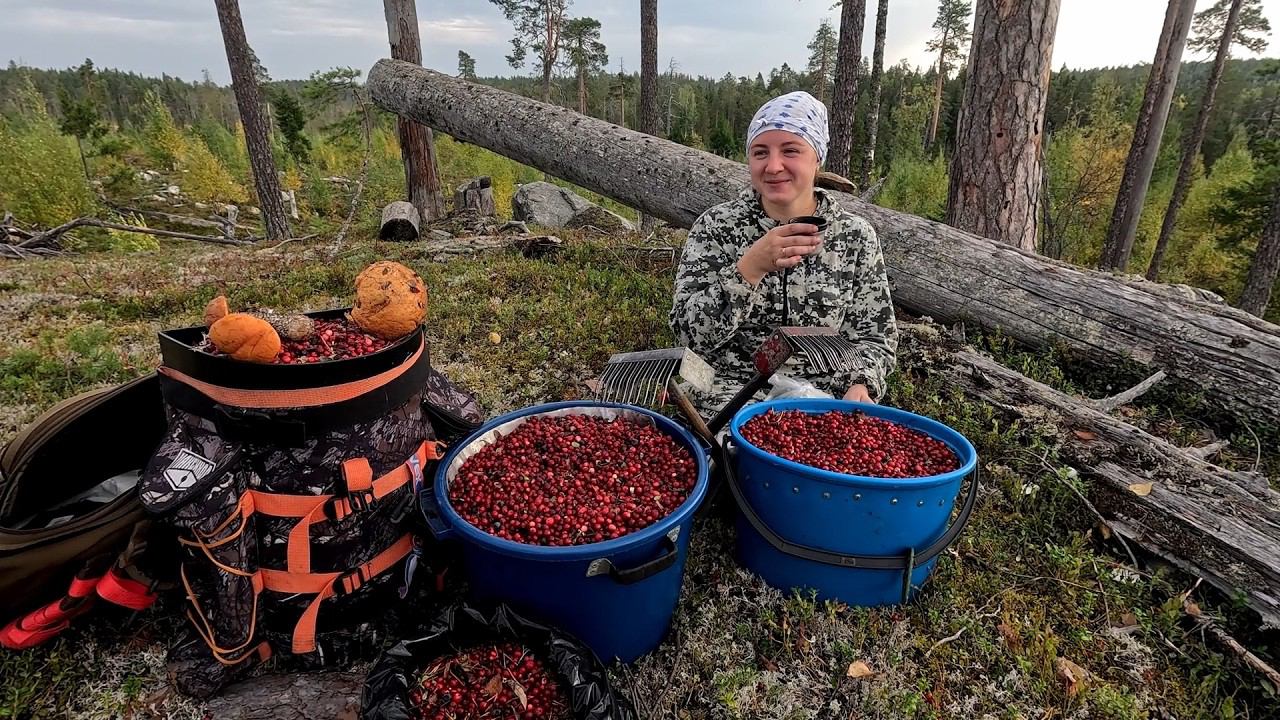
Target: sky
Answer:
[[294, 38]]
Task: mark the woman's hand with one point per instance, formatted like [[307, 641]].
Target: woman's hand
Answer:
[[782, 247], [858, 393]]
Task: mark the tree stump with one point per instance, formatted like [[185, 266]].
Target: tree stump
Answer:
[[475, 194], [400, 222]]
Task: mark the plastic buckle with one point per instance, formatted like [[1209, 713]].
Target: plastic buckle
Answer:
[[356, 502], [339, 586], [404, 507]]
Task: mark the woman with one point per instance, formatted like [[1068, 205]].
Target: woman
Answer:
[[729, 293]]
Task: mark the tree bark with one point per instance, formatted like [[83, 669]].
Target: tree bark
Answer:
[[1265, 265], [995, 169], [417, 147], [1192, 148], [938, 82], [844, 98], [648, 80], [877, 73], [937, 270], [295, 696], [1215, 523], [249, 101], [1146, 136]]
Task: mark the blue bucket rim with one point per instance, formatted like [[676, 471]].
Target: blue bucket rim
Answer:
[[589, 550], [939, 431]]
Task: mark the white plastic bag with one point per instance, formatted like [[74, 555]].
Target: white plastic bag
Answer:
[[785, 386]]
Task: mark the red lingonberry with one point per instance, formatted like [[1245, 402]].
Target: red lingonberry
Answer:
[[573, 480], [337, 339], [488, 682], [852, 443]]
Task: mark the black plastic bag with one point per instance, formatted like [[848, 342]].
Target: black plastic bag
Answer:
[[581, 674]]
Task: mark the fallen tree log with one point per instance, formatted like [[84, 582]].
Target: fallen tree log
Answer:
[[400, 222], [295, 696], [936, 270], [1221, 525]]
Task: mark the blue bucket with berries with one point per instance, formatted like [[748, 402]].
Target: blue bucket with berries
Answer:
[[578, 514], [851, 500]]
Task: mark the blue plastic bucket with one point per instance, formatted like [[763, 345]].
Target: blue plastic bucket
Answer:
[[849, 537], [616, 596]]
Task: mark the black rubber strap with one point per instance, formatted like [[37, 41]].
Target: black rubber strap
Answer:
[[911, 559]]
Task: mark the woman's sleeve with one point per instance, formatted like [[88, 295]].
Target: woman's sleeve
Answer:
[[870, 320], [712, 299]]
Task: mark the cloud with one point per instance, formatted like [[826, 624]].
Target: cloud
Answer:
[[93, 22]]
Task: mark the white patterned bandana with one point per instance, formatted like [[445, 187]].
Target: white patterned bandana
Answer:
[[798, 113]]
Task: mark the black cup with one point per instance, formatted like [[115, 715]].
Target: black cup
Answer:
[[821, 222]]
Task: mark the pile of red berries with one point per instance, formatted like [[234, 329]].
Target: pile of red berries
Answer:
[[332, 340], [573, 480], [852, 443], [491, 682]]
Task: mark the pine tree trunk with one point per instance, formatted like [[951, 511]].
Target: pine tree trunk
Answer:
[[844, 99], [873, 116], [249, 101], [83, 161], [1146, 136], [995, 169], [936, 270], [582, 90], [1192, 148], [648, 81], [1265, 265], [649, 67], [417, 146], [938, 81]]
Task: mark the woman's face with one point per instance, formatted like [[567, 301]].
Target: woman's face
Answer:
[[783, 167]]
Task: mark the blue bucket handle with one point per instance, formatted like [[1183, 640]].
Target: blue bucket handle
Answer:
[[430, 504], [906, 562], [644, 571]]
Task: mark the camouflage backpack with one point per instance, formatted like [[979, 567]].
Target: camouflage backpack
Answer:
[[292, 491]]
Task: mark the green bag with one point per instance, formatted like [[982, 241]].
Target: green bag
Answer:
[[68, 495]]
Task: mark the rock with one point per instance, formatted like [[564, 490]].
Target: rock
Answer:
[[253, 210], [541, 203], [156, 198], [513, 226], [601, 219], [173, 190]]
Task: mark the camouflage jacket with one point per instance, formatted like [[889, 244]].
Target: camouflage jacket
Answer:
[[720, 316]]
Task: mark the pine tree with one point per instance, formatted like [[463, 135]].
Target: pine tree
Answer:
[[538, 25], [877, 75], [584, 53], [845, 94], [822, 59], [951, 44], [1148, 131], [466, 66], [1220, 26]]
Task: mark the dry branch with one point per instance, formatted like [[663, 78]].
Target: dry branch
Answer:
[[53, 233]]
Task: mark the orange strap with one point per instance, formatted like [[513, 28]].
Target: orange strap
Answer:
[[306, 397], [327, 585], [361, 494]]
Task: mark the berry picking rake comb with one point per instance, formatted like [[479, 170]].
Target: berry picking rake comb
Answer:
[[646, 377]]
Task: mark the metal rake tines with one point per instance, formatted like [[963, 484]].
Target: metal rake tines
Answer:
[[636, 382], [825, 353]]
